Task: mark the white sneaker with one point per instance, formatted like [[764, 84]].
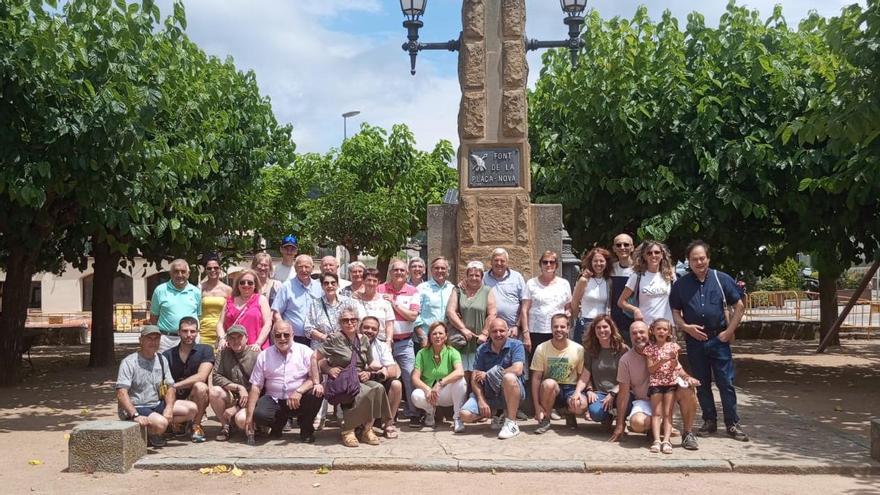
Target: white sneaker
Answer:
[[457, 426], [555, 415], [429, 420], [509, 430], [497, 422]]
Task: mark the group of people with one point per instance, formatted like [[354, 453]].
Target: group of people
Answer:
[[284, 345]]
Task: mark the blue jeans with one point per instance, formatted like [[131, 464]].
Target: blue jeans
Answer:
[[596, 411], [580, 326], [713, 359], [403, 353]]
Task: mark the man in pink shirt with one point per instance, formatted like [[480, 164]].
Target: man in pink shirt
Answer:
[[285, 372], [404, 299]]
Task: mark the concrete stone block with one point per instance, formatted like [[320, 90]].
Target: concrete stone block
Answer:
[[514, 64], [514, 113], [472, 66], [524, 466], [875, 439], [443, 234], [109, 446], [547, 228], [495, 219]]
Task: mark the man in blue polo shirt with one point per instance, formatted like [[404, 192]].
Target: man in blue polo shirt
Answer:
[[700, 302], [293, 301], [497, 381], [173, 301]]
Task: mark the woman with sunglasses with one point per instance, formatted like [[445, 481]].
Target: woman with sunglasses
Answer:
[[248, 308], [545, 296], [262, 264], [323, 317], [650, 283], [371, 402], [214, 294]]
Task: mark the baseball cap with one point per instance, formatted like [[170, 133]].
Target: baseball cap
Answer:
[[289, 240], [149, 329], [236, 329]]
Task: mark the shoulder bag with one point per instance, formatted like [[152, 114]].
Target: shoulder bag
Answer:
[[345, 387]]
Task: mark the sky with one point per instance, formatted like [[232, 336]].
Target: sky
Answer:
[[317, 59]]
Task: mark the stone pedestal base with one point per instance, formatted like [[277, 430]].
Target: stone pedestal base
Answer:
[[109, 446], [545, 225]]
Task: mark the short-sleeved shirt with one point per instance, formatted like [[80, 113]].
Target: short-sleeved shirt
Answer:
[[509, 293], [408, 297], [432, 372], [378, 308], [603, 369], [701, 303], [180, 370], [547, 300], [279, 375], [294, 301], [142, 376], [381, 353], [563, 366], [170, 304], [283, 273], [632, 370], [433, 299], [665, 374], [511, 352], [653, 295]]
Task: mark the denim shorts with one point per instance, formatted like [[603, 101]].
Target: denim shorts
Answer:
[[144, 410], [565, 393], [494, 403]]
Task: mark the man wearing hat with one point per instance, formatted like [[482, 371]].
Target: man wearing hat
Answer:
[[232, 373], [497, 381], [145, 389], [289, 251]]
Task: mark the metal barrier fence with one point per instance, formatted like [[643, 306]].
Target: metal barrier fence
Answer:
[[126, 317], [804, 306]]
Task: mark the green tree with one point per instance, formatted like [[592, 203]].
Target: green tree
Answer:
[[123, 134], [373, 194], [677, 135]]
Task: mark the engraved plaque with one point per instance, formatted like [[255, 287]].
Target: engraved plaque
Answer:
[[494, 167]]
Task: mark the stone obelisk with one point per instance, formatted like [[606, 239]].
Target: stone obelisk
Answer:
[[494, 208]]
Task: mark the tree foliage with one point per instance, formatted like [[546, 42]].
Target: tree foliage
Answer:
[[682, 134], [118, 134]]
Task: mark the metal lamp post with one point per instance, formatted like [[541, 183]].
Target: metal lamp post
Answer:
[[345, 117], [413, 10]]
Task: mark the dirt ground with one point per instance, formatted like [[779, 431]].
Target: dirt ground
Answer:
[[839, 388]]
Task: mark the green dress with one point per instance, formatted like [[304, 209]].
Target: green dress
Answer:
[[371, 402], [473, 313]]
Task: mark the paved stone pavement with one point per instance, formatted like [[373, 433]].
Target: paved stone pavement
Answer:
[[781, 441]]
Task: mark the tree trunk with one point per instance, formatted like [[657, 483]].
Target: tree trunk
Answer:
[[16, 296], [382, 265], [828, 302], [105, 264]]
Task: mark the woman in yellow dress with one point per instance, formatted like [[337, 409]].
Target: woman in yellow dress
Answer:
[[214, 294]]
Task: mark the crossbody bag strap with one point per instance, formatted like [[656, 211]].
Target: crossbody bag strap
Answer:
[[244, 374], [721, 287], [608, 301], [330, 321]]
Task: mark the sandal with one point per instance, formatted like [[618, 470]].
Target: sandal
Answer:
[[368, 437], [655, 447], [349, 439], [390, 431], [223, 435], [666, 447]]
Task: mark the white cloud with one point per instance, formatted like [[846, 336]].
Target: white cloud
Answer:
[[314, 70]]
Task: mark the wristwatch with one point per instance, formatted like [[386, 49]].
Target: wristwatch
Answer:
[[132, 417]]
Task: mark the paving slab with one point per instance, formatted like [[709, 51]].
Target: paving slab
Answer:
[[781, 442]]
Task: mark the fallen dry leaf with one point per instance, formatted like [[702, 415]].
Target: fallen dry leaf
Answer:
[[237, 472], [35, 462], [322, 470], [67, 436], [315, 485], [206, 470]]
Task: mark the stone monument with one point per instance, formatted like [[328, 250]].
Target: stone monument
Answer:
[[494, 208]]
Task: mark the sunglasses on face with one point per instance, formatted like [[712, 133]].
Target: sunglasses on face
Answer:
[[655, 253], [622, 244], [282, 336], [548, 262], [246, 282], [212, 269], [348, 320], [329, 282]]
